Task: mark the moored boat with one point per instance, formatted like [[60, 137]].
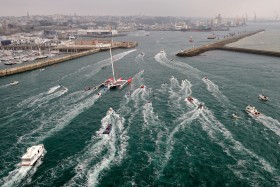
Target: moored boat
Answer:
[[32, 155], [212, 36]]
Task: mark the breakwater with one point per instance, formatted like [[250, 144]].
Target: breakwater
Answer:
[[216, 45], [252, 51], [49, 62]]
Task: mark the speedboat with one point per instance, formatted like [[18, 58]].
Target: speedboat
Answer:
[[252, 110], [14, 83], [142, 86], [162, 51], [32, 155], [110, 111], [262, 97], [108, 129], [234, 116], [200, 106], [205, 78], [189, 99]]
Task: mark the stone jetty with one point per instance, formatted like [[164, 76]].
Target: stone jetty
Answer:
[[220, 45]]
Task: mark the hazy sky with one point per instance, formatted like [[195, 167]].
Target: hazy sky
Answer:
[[185, 8]]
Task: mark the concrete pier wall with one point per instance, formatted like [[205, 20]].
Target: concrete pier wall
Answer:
[[216, 45], [252, 51]]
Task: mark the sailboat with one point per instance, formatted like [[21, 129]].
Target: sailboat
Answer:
[[112, 82]]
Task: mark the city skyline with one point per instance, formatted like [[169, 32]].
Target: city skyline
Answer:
[[199, 8]]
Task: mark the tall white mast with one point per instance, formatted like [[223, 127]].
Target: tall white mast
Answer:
[[112, 56]]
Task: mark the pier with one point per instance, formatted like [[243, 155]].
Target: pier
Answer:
[[220, 45], [49, 62]]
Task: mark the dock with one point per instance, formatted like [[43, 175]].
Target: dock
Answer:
[[220, 45], [48, 62]]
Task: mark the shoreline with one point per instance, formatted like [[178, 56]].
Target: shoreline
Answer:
[[49, 62]]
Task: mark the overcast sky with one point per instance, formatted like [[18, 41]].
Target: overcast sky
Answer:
[[184, 8]]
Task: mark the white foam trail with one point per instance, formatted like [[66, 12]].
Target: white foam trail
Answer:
[[140, 58], [176, 65], [59, 120], [270, 123], [115, 143], [179, 92], [233, 148], [16, 176], [137, 80], [214, 89], [185, 119], [51, 90]]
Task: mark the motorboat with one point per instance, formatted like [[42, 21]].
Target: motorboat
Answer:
[[263, 98], [110, 111], [142, 86], [200, 106], [234, 116], [212, 36], [252, 110], [162, 51], [205, 78], [32, 155], [189, 99], [14, 83], [108, 129]]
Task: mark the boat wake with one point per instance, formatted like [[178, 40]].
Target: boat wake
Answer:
[[51, 90], [179, 66], [43, 97], [242, 157], [52, 122], [272, 124], [92, 163], [214, 89], [140, 58], [16, 176], [179, 92]]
